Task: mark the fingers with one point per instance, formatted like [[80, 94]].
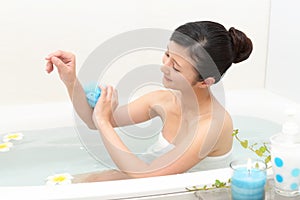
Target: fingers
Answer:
[[106, 92], [115, 95], [103, 95], [58, 63], [49, 67], [59, 54], [109, 93], [55, 58]]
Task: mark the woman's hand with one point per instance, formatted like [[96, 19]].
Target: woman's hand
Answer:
[[106, 105], [65, 64]]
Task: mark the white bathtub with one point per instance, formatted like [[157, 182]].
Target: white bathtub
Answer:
[[255, 104]]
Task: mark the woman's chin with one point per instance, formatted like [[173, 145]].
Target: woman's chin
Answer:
[[166, 83], [168, 86]]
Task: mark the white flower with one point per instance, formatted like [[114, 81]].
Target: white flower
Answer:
[[5, 146], [13, 136], [59, 179]]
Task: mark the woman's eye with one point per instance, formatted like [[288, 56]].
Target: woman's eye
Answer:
[[167, 54], [175, 69]]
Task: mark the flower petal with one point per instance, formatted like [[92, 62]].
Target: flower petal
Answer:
[[4, 147], [13, 136], [59, 179]]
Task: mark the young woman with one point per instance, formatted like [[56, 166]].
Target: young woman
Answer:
[[195, 125]]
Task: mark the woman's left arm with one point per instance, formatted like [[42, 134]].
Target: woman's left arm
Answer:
[[118, 151], [184, 156]]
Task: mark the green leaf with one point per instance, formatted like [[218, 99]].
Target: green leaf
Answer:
[[262, 149], [235, 132], [268, 159], [244, 143], [217, 183], [259, 153]]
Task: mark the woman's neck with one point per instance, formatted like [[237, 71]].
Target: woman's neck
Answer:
[[197, 101]]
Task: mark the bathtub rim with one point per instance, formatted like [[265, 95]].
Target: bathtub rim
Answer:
[[125, 188]]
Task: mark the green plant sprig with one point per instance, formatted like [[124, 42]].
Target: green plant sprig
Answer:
[[217, 184], [261, 151]]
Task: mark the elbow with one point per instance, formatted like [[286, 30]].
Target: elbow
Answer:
[[91, 126]]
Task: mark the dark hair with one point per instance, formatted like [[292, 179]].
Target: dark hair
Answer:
[[211, 44]]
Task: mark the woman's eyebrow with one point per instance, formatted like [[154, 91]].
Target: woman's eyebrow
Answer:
[[173, 58]]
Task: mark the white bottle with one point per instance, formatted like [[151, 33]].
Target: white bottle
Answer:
[[285, 154]]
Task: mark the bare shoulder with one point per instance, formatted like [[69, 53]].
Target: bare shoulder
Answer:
[[217, 123], [161, 96]]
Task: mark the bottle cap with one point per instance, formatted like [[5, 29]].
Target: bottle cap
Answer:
[[290, 127]]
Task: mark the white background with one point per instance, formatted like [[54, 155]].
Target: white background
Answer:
[[283, 71], [32, 29]]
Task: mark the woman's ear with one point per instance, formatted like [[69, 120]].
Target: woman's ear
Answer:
[[207, 82]]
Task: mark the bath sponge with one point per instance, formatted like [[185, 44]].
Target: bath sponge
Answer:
[[92, 93]]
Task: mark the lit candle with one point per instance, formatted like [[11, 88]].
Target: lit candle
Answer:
[[248, 180], [249, 165]]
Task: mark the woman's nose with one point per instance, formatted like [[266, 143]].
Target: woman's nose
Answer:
[[167, 63], [165, 69]]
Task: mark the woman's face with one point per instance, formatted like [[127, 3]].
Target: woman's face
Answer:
[[179, 72]]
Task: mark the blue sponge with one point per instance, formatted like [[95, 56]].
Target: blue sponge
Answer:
[[92, 93]]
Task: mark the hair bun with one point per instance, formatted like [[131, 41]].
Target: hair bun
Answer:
[[242, 45]]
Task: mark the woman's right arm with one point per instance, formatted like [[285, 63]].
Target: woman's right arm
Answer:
[[137, 111], [65, 63]]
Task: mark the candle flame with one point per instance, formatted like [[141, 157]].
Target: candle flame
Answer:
[[249, 165]]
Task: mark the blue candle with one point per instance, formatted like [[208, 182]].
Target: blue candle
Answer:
[[248, 183]]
